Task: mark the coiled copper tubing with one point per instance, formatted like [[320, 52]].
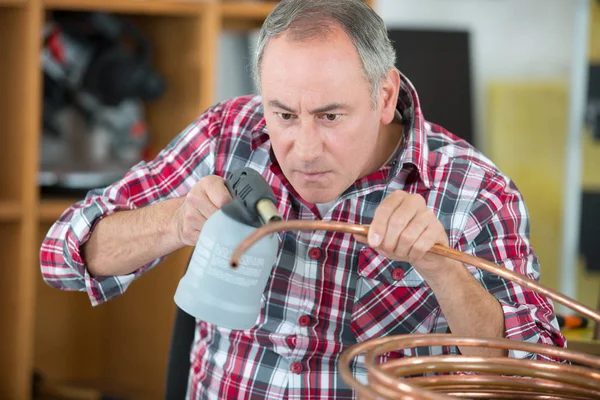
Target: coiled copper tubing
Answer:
[[479, 377]]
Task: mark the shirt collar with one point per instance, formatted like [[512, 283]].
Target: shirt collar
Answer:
[[259, 135], [414, 151]]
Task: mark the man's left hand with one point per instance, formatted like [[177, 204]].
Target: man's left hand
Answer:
[[404, 229]]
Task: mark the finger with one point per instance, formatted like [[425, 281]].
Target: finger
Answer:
[[202, 205], [361, 239], [217, 192], [422, 245], [411, 233], [386, 255], [383, 213], [397, 224], [193, 220]]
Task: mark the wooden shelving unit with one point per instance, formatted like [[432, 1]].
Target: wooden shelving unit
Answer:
[[244, 15], [122, 346], [244, 10], [158, 7], [10, 211], [51, 209], [11, 3]]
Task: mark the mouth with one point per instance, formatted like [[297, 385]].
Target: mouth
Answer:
[[311, 176]]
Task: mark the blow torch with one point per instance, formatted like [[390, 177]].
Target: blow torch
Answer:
[[211, 290]]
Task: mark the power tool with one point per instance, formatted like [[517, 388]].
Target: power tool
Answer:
[[211, 290]]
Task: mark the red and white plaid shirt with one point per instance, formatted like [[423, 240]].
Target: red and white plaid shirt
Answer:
[[327, 291]]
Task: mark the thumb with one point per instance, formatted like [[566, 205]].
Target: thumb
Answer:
[[218, 193]]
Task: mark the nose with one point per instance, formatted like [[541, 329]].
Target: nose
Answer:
[[308, 145]]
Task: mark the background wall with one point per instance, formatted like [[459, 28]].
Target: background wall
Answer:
[[233, 78], [510, 38]]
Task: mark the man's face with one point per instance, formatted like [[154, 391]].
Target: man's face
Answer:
[[318, 109]]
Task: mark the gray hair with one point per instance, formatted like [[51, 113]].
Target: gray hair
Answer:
[[307, 19]]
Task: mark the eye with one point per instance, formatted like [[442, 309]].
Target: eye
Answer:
[[331, 117], [285, 116]]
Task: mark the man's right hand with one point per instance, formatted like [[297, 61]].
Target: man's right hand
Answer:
[[206, 197]]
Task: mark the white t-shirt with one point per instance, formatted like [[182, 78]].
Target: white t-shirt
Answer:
[[325, 207]]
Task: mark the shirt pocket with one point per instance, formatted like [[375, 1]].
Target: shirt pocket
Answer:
[[391, 298]]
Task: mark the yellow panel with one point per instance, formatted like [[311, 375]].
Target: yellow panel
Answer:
[[591, 163], [589, 283], [527, 129]]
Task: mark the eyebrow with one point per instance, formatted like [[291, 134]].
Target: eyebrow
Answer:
[[320, 110]]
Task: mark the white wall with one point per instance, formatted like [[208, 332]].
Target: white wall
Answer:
[[520, 39], [233, 76]]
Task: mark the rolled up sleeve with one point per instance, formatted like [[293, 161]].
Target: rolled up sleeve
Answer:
[[500, 233], [171, 174]]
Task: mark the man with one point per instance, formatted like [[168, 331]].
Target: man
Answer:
[[338, 133]]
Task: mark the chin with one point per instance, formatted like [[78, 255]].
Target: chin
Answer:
[[317, 195], [320, 189]]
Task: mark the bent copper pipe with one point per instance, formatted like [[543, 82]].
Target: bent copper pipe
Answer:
[[489, 377], [444, 251], [523, 378]]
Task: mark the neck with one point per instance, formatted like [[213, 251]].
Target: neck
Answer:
[[391, 137], [394, 137]]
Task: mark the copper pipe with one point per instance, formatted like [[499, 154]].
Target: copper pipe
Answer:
[[495, 384], [544, 379], [444, 251], [488, 375]]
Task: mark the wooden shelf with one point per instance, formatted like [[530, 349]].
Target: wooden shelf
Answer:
[[247, 10], [10, 211], [162, 7], [249, 14], [52, 209], [11, 3]]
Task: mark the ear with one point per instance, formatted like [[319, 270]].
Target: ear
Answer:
[[388, 95]]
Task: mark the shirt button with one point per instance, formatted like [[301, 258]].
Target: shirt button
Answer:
[[291, 341], [398, 274], [296, 367], [315, 253], [304, 320]]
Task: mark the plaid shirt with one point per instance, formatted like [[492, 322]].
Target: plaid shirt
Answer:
[[326, 291]]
